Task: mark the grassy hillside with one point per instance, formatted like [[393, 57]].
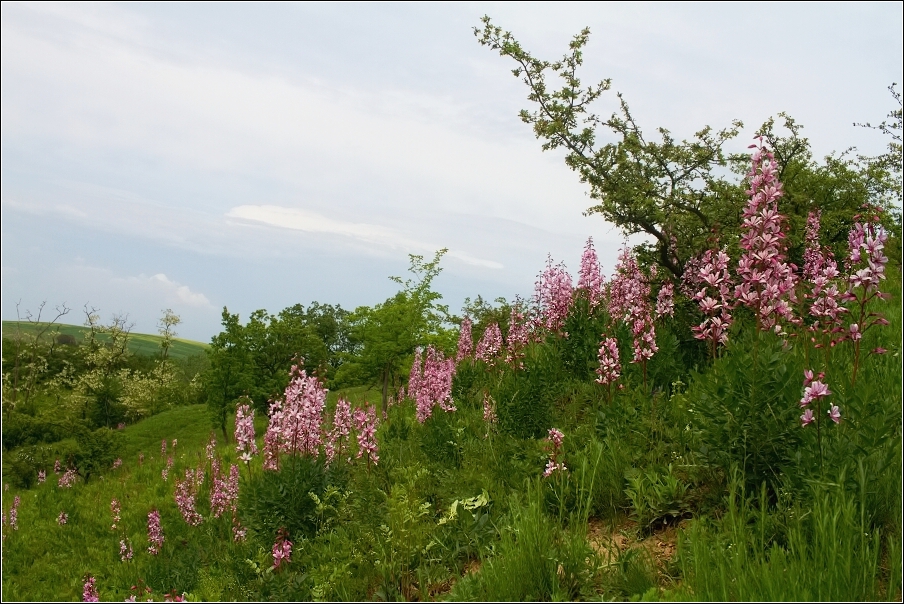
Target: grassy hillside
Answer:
[[139, 343]]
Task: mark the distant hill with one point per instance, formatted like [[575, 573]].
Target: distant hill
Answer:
[[139, 343]]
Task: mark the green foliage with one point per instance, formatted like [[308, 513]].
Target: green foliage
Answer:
[[745, 409], [389, 332], [95, 451], [656, 495], [525, 398], [535, 560], [287, 498], [829, 551]]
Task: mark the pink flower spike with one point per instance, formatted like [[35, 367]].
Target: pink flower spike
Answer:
[[835, 414], [807, 418]]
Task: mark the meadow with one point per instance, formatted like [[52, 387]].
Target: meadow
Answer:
[[607, 447]]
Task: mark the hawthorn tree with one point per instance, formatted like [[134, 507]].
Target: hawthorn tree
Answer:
[[671, 190]]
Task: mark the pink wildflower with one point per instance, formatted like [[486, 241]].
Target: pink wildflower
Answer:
[[665, 300], [610, 368], [767, 280], [338, 437], [14, 514], [835, 414], [807, 418], [590, 277], [366, 425], [117, 464], [125, 550], [211, 448], [435, 384], [465, 341], [56, 467], [68, 479], [244, 432], [116, 511], [555, 464], [553, 294], [155, 534], [519, 334], [63, 518], [42, 476], [296, 424], [490, 344], [89, 590], [186, 494], [282, 549], [163, 447]]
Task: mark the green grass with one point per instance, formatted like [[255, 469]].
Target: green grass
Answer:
[[139, 343]]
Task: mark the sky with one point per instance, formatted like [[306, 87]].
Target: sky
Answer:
[[256, 156]]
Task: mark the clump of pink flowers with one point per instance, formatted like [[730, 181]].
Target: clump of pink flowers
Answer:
[[629, 300], [225, 492], [490, 344], [42, 476], [68, 479], [14, 514], [555, 463], [866, 262], [282, 549], [116, 511], [433, 384], [125, 550], [366, 424], [590, 277], [553, 295], [295, 422], [186, 494], [465, 341], [814, 390], [767, 280], [338, 437], [155, 533], [244, 432], [610, 367], [89, 590], [117, 464], [63, 518], [710, 274]]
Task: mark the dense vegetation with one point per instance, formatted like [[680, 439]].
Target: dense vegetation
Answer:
[[720, 419]]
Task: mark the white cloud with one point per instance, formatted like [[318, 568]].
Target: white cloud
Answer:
[[312, 222], [173, 293]]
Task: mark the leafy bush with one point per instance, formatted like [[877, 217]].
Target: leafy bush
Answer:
[[271, 500], [525, 398], [745, 408], [656, 495]]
